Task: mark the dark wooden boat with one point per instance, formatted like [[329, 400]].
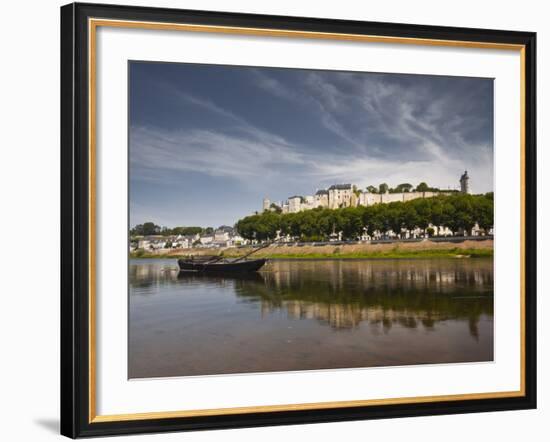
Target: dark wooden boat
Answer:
[[201, 258], [221, 266]]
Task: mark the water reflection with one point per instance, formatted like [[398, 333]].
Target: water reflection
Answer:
[[431, 296], [342, 294]]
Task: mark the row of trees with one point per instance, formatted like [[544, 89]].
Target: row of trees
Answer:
[[458, 212], [403, 188], [150, 228]]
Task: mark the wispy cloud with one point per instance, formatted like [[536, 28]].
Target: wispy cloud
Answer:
[[342, 101], [273, 132], [378, 116], [208, 152]]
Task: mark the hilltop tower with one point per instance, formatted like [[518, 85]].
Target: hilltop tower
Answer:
[[464, 182], [266, 204]]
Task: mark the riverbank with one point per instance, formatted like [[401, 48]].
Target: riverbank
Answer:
[[423, 249]]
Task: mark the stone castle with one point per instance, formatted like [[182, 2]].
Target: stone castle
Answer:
[[347, 195]]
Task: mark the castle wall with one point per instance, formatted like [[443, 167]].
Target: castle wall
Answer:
[[338, 198], [369, 199], [391, 197]]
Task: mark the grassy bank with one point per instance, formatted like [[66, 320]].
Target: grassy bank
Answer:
[[424, 249], [451, 253]]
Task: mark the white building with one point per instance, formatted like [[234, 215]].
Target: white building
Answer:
[[206, 239], [294, 204], [341, 195], [308, 202], [321, 198], [181, 242]]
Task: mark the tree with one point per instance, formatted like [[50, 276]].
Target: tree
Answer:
[[383, 218], [448, 218], [483, 212], [403, 187], [247, 227], [464, 212], [383, 188], [410, 217], [148, 228], [308, 224], [374, 219], [372, 189], [267, 226], [192, 230], [422, 187], [437, 215], [325, 222], [395, 217], [351, 223], [456, 211], [423, 208]]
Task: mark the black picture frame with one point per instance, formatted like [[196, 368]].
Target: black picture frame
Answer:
[[75, 220]]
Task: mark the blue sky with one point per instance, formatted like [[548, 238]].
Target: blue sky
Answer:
[[208, 142]]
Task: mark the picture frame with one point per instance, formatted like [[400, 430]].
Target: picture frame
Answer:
[[79, 240]]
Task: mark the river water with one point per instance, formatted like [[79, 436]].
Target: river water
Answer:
[[304, 315]]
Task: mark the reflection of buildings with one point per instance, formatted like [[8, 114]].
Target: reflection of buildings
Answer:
[[344, 294], [345, 316]]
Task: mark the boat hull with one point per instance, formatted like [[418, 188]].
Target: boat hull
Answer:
[[223, 267]]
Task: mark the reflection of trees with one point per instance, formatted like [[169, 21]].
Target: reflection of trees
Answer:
[[343, 294], [383, 293]]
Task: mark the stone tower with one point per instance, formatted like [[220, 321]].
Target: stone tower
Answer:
[[464, 182], [266, 204]]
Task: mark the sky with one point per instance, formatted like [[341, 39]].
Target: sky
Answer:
[[207, 143]]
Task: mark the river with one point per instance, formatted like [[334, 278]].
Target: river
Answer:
[[310, 314]]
